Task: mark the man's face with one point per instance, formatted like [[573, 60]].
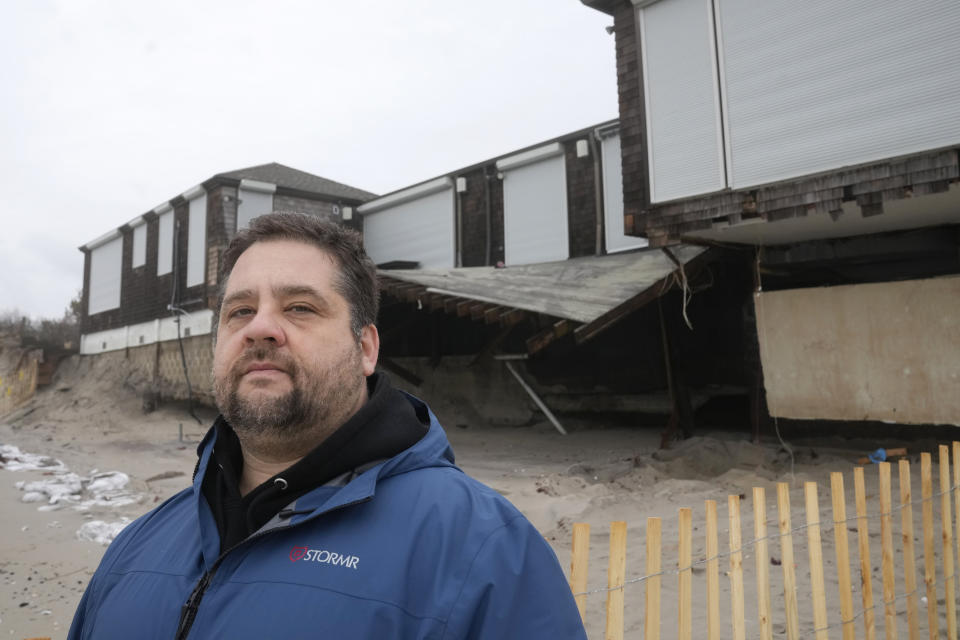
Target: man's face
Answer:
[[286, 359]]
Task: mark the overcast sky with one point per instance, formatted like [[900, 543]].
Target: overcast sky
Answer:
[[110, 108]]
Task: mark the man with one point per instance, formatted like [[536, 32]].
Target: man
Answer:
[[325, 503]]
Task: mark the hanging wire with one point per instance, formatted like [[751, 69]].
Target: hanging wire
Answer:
[[179, 313], [680, 280], [776, 422]]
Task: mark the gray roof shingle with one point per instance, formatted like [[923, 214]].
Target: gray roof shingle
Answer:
[[284, 176]]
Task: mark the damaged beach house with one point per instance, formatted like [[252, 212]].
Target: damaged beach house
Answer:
[[516, 272], [770, 227], [818, 151], [512, 272]]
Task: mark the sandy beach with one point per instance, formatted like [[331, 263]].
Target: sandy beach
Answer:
[[88, 429]]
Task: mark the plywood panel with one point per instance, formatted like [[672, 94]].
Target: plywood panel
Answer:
[[883, 351]]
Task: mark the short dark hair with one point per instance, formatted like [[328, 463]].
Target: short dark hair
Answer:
[[356, 279]]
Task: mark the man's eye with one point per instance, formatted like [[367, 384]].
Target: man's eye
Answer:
[[237, 313], [300, 308]]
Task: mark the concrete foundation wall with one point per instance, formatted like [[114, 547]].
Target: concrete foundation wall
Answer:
[[199, 357], [886, 351], [160, 367]]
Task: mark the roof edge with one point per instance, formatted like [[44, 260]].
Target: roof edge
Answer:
[[491, 161], [217, 181], [604, 6]]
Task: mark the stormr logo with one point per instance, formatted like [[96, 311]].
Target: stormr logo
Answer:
[[323, 556], [297, 553]]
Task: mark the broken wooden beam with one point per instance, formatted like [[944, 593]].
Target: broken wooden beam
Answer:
[[492, 316], [413, 293], [423, 301], [512, 317], [387, 286], [542, 340], [399, 291], [478, 311]]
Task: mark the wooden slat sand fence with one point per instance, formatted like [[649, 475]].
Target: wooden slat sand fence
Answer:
[[759, 582]]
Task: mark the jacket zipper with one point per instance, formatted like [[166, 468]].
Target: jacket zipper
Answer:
[[188, 613]]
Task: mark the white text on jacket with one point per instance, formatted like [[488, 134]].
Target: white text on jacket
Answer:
[[323, 556]]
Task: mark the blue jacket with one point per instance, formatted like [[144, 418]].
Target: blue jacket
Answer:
[[410, 548]]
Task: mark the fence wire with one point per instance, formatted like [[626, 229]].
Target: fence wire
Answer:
[[831, 526]]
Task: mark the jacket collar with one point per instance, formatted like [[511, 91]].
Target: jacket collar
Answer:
[[433, 450]]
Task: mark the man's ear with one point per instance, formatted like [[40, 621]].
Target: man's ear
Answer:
[[369, 348]]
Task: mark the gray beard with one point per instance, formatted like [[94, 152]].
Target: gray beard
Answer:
[[317, 401], [286, 414]]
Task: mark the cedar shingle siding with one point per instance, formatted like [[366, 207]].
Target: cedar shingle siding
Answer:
[[473, 203], [869, 186], [581, 202], [632, 125]]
